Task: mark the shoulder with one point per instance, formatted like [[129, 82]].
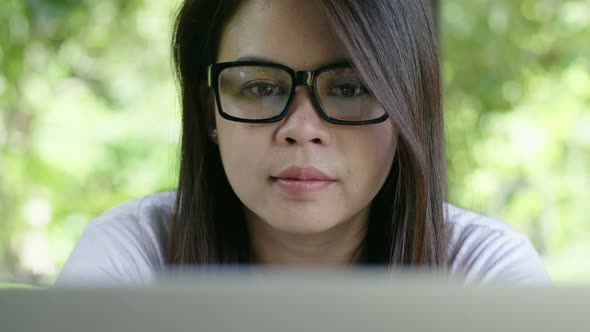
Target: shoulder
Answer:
[[124, 244], [146, 217], [488, 250]]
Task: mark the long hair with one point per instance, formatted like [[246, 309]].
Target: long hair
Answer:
[[393, 46]]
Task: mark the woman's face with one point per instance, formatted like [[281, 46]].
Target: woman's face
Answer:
[[356, 159]]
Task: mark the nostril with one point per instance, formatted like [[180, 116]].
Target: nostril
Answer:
[[290, 140], [316, 140]]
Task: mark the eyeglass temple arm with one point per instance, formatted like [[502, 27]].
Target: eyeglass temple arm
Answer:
[[209, 76]]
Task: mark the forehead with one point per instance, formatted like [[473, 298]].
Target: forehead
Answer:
[[293, 33]]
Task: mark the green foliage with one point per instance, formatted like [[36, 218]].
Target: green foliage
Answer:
[[517, 80], [15, 285], [89, 119]]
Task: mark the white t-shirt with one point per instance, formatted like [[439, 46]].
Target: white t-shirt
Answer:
[[127, 243]]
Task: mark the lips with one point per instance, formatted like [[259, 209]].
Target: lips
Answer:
[[303, 174], [299, 181]]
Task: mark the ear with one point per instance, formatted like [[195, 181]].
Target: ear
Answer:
[[208, 105]]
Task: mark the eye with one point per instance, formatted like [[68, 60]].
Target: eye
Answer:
[[348, 89], [263, 89]]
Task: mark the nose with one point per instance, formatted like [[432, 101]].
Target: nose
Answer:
[[303, 123]]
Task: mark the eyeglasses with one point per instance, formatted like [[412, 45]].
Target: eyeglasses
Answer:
[[261, 92]]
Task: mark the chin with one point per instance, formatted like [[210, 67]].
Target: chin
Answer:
[[303, 225]]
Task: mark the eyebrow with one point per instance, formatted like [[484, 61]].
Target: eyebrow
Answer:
[[254, 58], [264, 59]]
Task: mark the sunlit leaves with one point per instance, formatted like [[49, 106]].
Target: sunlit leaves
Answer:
[[517, 94]]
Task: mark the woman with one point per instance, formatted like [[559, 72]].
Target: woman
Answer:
[[312, 134]]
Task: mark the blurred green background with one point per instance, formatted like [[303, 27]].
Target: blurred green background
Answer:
[[89, 118]]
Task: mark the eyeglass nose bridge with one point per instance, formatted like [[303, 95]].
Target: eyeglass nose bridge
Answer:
[[303, 78]]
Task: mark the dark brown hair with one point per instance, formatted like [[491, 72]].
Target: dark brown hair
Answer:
[[392, 44]]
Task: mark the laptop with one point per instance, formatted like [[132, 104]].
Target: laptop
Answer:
[[296, 300]]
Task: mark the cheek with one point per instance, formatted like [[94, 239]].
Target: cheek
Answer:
[[372, 158], [241, 153], [386, 145]]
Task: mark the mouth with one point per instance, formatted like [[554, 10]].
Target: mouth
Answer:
[[302, 186], [302, 180]]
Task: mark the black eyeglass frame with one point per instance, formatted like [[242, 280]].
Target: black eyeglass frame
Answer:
[[298, 77]]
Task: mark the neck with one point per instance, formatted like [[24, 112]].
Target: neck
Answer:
[[340, 245]]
